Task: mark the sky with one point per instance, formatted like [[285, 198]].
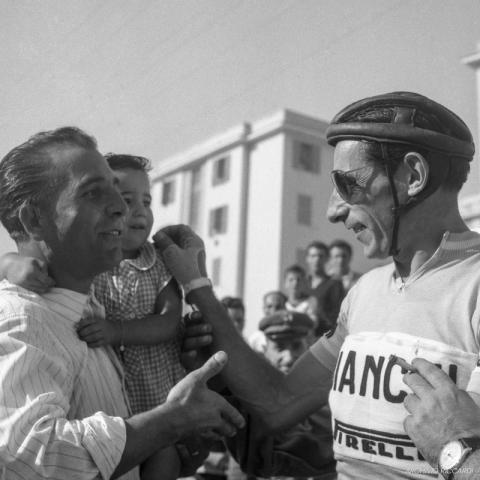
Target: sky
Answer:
[[156, 77]]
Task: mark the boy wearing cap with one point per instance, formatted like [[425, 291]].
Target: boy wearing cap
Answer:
[[400, 160]]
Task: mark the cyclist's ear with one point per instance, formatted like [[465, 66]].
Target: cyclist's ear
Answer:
[[416, 171]]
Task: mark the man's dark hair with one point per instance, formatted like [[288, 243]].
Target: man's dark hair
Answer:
[[124, 161], [233, 302], [28, 175], [458, 167], [318, 245], [338, 243], [295, 269]]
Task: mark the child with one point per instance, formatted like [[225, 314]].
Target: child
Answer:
[[296, 288], [298, 299], [142, 306], [272, 302]]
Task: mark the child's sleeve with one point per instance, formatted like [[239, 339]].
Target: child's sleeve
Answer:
[[163, 274]]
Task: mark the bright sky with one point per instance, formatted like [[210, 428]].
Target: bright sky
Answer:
[[154, 77]]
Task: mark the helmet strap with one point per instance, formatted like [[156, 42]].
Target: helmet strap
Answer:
[[396, 205]]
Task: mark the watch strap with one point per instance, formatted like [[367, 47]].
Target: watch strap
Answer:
[[472, 442]]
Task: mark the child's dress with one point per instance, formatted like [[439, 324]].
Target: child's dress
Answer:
[[128, 292]]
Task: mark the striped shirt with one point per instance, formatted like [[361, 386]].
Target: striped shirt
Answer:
[[61, 403]]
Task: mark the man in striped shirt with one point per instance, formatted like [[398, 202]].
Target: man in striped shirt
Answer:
[[63, 411]]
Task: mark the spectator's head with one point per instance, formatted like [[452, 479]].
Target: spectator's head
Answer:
[[59, 197], [398, 156], [295, 282], [236, 311], [316, 257], [273, 301], [134, 184], [286, 334], [340, 257]]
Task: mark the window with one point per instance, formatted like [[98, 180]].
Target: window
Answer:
[[306, 157], [218, 220], [168, 192], [216, 271], [221, 170], [304, 210]]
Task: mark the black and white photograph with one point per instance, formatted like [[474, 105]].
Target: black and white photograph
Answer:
[[240, 240]]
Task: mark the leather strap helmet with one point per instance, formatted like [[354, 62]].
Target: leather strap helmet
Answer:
[[452, 137]]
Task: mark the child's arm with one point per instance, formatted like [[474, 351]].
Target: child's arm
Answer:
[[149, 330], [27, 272], [162, 326]]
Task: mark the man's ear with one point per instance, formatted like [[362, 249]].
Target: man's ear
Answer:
[[31, 220], [418, 172]]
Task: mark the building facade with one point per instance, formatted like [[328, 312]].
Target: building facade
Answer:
[[470, 205], [257, 194]]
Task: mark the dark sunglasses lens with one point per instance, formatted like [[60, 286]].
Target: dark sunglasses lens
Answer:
[[341, 184]]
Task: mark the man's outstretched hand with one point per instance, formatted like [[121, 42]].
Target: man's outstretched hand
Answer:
[[205, 412], [183, 252]]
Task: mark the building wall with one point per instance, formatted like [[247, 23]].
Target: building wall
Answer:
[[470, 205], [314, 185], [264, 224], [226, 247], [172, 213]]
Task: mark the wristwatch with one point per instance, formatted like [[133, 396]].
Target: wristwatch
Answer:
[[454, 453]]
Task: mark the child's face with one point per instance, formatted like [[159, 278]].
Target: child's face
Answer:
[[134, 187], [273, 303], [295, 285], [339, 260]]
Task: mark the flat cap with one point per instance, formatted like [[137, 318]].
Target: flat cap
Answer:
[[405, 117], [286, 324]]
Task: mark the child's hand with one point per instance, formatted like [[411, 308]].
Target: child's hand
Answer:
[[30, 273], [97, 331]]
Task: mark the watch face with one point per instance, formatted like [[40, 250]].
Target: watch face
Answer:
[[450, 455]]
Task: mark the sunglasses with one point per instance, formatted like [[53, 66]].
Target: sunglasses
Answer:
[[351, 184]]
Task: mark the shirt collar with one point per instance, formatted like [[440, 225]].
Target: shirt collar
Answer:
[[67, 303], [460, 241], [145, 259], [450, 241]]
